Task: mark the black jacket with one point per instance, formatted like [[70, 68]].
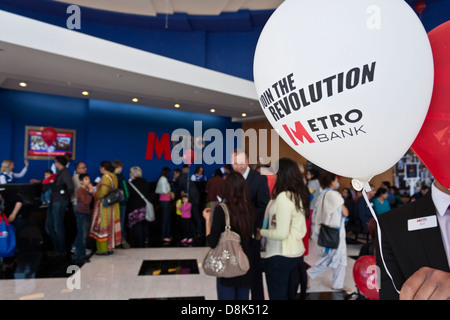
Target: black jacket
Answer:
[[135, 201], [259, 194], [62, 188], [405, 251]]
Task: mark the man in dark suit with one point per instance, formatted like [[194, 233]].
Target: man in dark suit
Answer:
[[260, 197], [415, 243]]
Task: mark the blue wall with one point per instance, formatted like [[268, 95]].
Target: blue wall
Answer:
[[105, 130]]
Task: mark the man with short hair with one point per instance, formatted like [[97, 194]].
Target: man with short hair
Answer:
[[68, 157], [61, 193]]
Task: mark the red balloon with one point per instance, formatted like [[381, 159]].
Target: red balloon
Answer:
[[189, 156], [49, 135], [365, 277], [432, 144], [420, 6]]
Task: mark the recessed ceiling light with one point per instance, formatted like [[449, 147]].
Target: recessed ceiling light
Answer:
[[213, 110], [176, 105], [23, 84], [85, 93], [244, 115], [135, 99]]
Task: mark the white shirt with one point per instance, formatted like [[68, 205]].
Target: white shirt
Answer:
[[245, 175], [13, 174], [441, 202]]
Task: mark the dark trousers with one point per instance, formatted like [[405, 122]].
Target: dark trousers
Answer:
[[80, 240], [301, 278], [140, 233], [231, 293], [166, 221], [257, 265], [197, 221], [280, 277], [54, 225], [187, 227]]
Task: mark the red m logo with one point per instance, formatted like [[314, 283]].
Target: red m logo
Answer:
[[299, 133], [159, 146]]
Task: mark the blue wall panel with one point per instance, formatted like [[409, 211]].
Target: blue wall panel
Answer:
[[105, 130]]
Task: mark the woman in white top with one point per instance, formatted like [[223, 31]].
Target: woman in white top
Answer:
[[331, 211], [285, 218], [163, 189], [6, 172]]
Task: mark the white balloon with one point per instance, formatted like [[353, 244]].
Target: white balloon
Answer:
[[346, 83]]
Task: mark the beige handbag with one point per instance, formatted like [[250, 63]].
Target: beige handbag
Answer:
[[227, 259]]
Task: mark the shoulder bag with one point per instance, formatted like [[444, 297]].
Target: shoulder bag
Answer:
[[7, 237], [114, 196], [328, 236], [227, 259], [149, 210]]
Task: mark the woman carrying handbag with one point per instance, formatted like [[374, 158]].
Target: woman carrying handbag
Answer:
[[240, 212], [329, 216]]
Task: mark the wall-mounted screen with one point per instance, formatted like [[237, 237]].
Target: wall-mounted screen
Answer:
[[37, 149]]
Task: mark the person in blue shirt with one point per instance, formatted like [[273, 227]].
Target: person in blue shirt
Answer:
[[380, 202], [6, 172]]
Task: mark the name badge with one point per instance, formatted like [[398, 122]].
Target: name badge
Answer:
[[422, 223]]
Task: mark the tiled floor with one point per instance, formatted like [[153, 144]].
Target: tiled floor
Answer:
[[169, 272], [140, 274]]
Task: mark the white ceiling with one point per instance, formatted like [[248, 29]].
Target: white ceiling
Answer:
[[192, 7], [55, 71]]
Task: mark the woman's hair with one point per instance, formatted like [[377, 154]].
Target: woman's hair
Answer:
[[197, 169], [289, 179], [235, 192], [326, 178], [313, 173], [5, 165], [164, 172], [107, 165], [350, 195], [136, 172], [380, 191]]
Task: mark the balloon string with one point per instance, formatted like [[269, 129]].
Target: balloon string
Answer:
[[379, 238]]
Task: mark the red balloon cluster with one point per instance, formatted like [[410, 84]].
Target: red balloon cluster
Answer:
[[49, 135], [432, 144], [365, 277]]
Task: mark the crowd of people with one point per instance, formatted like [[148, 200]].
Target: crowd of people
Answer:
[[280, 214]]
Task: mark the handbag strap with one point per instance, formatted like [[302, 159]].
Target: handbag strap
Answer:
[[227, 216], [3, 217], [139, 193], [112, 181], [323, 201]]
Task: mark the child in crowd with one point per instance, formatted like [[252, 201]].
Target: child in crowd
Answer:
[[82, 215], [186, 222], [49, 178]]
